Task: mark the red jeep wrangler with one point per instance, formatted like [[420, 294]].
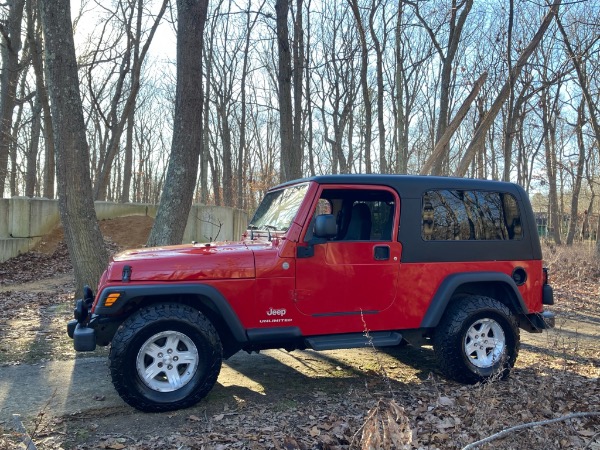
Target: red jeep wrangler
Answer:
[[455, 263]]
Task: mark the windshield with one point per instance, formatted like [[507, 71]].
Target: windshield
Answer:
[[278, 209]]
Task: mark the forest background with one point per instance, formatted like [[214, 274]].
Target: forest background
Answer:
[[221, 100]]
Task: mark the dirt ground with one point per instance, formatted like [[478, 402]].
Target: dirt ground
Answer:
[[125, 232], [299, 400]]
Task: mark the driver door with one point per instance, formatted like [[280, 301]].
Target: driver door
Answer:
[[356, 271]]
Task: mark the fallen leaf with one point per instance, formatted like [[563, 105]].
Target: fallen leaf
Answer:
[[446, 401]]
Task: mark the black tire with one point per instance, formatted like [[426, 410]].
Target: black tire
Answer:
[[477, 339], [160, 347]]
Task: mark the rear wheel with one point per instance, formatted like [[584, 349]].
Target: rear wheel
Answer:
[[478, 338], [165, 357]]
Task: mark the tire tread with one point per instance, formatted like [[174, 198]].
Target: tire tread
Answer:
[[153, 314], [447, 340]]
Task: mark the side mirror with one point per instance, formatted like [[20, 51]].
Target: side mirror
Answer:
[[325, 226]]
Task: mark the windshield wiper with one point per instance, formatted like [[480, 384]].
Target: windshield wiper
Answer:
[[252, 227], [269, 227]]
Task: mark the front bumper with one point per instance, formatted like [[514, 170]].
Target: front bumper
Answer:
[[84, 337], [99, 330]]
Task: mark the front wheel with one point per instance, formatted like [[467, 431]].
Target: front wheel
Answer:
[[165, 357], [477, 339]]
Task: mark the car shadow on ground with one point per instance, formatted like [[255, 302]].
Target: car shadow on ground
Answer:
[[260, 387]]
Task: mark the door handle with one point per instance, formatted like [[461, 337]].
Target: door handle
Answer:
[[381, 252]]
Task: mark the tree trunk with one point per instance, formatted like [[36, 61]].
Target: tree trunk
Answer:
[[76, 206], [510, 120], [515, 117], [578, 174], [35, 44], [242, 146], [379, 49], [401, 123], [205, 155], [307, 93], [9, 78], [549, 123], [32, 151], [456, 27], [128, 162], [364, 82], [178, 191], [223, 112], [14, 189], [284, 79], [297, 155]]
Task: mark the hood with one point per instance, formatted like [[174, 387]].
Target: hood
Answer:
[[222, 260]]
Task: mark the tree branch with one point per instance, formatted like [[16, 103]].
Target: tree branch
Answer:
[[583, 83], [523, 426], [5, 35], [430, 32], [487, 121], [452, 126]]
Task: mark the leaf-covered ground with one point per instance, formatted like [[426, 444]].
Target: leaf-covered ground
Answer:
[[392, 398]]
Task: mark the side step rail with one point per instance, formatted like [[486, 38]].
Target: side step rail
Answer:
[[354, 340]]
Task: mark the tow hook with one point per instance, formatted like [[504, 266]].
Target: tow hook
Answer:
[[83, 305], [84, 337]]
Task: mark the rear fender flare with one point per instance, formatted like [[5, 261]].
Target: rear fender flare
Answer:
[[454, 282]]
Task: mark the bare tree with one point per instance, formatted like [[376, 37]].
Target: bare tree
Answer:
[[243, 150], [10, 29], [206, 159], [223, 86], [178, 191], [549, 117], [485, 125], [440, 146], [131, 64], [459, 10], [579, 65], [578, 175], [379, 49], [412, 51], [364, 65], [291, 156], [42, 107], [75, 202]]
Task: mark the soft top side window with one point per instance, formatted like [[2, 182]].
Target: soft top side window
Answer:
[[449, 215], [361, 215]]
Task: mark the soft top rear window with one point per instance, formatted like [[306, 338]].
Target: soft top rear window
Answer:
[[450, 215]]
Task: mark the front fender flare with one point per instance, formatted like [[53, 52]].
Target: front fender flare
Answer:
[[444, 294], [215, 300]]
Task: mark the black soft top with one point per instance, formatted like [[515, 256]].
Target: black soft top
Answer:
[[411, 188]]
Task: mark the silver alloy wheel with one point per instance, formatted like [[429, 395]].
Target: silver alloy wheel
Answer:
[[167, 361], [485, 343]]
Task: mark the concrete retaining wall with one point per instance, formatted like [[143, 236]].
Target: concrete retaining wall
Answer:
[[4, 218], [214, 223], [110, 210], [24, 221]]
